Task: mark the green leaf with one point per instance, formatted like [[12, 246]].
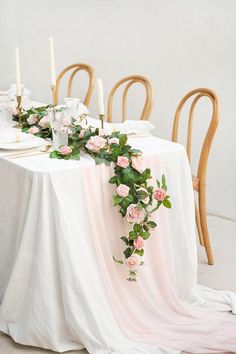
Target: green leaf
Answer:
[[125, 239], [113, 180], [54, 154], [145, 235], [163, 180], [117, 200], [139, 252], [137, 228], [142, 194], [135, 152], [122, 140], [164, 187], [133, 235], [167, 203], [117, 261], [152, 224], [158, 184], [129, 199], [128, 252]]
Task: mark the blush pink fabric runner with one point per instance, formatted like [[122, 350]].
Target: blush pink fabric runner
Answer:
[[150, 310]]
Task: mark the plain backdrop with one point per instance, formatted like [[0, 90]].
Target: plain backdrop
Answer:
[[178, 44]]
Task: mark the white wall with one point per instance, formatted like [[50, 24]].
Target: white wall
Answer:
[[178, 44]]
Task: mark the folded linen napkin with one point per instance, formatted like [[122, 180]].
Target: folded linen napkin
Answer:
[[135, 127]]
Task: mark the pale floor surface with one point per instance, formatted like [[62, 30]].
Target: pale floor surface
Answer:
[[220, 276]]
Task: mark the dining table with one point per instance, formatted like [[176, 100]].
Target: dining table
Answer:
[[60, 288]]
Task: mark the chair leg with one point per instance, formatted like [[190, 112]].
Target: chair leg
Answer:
[[203, 219], [199, 227]]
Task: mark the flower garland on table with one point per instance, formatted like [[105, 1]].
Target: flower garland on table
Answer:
[[136, 198], [36, 121]]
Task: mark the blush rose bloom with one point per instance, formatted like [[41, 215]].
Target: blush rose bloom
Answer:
[[32, 119], [134, 214], [159, 194], [139, 243], [33, 130], [65, 150], [132, 262], [113, 141], [81, 134], [122, 161], [137, 163], [96, 143], [44, 122], [123, 190]]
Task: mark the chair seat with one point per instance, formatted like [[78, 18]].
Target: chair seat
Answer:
[[195, 183]]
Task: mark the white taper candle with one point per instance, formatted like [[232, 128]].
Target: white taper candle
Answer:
[[18, 83], [52, 61], [100, 97]]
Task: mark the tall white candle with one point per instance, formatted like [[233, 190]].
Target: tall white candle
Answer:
[[100, 97], [52, 61], [18, 84]]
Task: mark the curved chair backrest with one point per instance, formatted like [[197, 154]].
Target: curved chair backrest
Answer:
[[197, 94], [75, 68], [131, 80]]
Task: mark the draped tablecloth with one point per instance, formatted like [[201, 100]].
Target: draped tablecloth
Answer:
[[59, 286]]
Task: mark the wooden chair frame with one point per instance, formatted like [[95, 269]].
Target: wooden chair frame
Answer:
[[131, 80], [76, 67], [199, 181]]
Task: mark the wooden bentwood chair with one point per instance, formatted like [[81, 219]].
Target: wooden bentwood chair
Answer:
[[75, 68], [131, 80], [199, 181]]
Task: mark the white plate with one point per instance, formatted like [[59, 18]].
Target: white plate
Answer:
[[26, 141]]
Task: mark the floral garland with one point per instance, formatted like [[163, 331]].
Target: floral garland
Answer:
[[137, 200]]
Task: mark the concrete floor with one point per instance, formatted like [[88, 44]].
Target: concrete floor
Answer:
[[220, 276]]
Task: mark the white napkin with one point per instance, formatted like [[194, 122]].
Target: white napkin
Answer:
[[135, 127]]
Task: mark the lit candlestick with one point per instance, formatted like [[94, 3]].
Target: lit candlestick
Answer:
[[18, 84], [52, 61], [100, 97]]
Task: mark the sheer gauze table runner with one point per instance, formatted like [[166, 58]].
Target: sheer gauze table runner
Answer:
[[60, 288]]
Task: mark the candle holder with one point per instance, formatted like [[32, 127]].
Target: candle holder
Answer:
[[19, 110], [53, 88], [101, 117]]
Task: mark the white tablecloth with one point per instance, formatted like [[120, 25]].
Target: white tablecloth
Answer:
[[52, 290]]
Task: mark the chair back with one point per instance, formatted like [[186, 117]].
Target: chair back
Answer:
[[131, 80], [75, 68], [196, 95]]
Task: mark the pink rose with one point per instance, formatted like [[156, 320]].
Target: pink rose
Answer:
[[113, 141], [137, 163], [134, 214], [44, 122], [139, 243], [81, 134], [101, 132], [132, 262], [65, 150], [96, 143], [33, 130], [32, 119], [123, 190], [122, 161], [159, 194]]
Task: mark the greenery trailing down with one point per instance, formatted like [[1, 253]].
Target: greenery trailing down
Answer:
[[136, 198]]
